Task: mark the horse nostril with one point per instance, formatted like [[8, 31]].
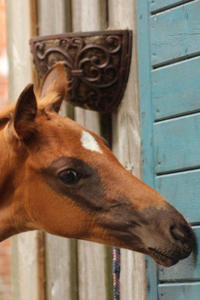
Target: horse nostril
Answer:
[[184, 238], [180, 235], [177, 234]]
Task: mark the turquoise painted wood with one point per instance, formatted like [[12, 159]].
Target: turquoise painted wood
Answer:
[[144, 62], [183, 191], [188, 269], [177, 144], [179, 291], [173, 144], [175, 33], [176, 89], [156, 5], [148, 168]]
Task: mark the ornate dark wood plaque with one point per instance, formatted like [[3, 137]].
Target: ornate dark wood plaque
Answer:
[[97, 65]]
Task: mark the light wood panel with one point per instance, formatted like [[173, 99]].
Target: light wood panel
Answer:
[[60, 258], [126, 143], [54, 16], [176, 89], [177, 144], [94, 274], [175, 33], [61, 268]]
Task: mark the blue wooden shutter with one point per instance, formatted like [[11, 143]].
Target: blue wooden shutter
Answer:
[[169, 79]]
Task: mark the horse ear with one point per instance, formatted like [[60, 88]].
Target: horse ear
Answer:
[[55, 83], [24, 114]]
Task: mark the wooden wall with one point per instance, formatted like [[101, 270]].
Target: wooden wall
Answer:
[[83, 270]]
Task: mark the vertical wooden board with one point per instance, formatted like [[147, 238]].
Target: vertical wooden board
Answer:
[[27, 248], [157, 5], [182, 190], [93, 259], [19, 58], [88, 16], [146, 119], [187, 269], [126, 143], [27, 266], [177, 144], [54, 16], [176, 89], [175, 33], [179, 291], [61, 269], [29, 256], [145, 96], [61, 266], [94, 277]]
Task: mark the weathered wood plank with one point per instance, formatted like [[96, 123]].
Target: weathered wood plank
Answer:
[[54, 16], [126, 143], [179, 291], [28, 266], [156, 5], [94, 271], [27, 248], [176, 89], [183, 193], [19, 59], [93, 274], [61, 264], [186, 269], [177, 144], [175, 33]]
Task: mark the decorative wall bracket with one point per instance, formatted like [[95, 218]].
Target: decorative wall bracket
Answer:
[[97, 65]]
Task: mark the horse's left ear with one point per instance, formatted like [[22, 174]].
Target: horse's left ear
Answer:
[[23, 123], [55, 86]]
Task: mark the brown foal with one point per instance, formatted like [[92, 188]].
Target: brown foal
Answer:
[[61, 178]]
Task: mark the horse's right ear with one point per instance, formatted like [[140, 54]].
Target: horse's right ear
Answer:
[[54, 86], [22, 125]]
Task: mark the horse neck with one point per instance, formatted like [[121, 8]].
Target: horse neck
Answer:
[[11, 212]]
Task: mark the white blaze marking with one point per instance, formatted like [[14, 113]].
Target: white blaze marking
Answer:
[[89, 142]]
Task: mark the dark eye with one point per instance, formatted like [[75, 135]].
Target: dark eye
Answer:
[[69, 176]]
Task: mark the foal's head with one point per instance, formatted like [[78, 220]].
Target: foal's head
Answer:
[[60, 177]]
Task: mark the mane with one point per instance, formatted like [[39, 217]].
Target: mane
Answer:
[[49, 100], [7, 114]]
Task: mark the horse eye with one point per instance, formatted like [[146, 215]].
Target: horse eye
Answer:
[[69, 176]]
